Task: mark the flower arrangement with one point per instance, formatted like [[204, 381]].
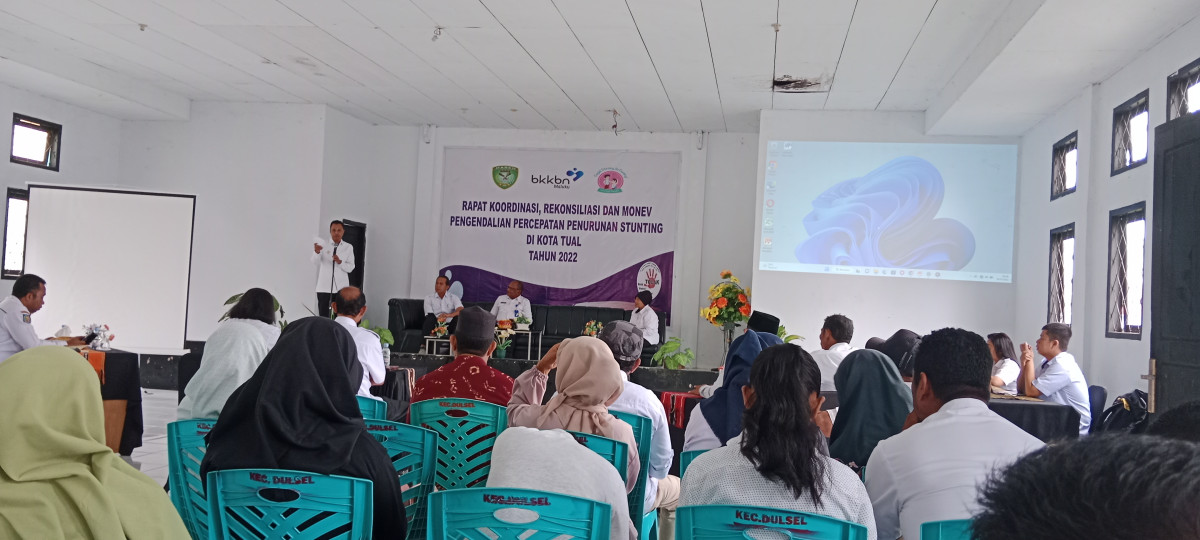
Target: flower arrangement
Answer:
[[592, 328], [730, 305], [103, 336], [504, 324], [503, 342], [440, 330]]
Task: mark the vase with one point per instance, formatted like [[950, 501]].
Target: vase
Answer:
[[502, 353], [522, 326], [727, 330]]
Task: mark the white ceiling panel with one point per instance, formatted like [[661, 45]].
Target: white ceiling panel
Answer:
[[457, 13], [811, 36], [260, 12], [86, 11], [675, 35], [881, 34]]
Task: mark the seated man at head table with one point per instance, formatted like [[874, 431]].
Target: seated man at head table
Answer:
[[511, 304], [16, 326], [1058, 378]]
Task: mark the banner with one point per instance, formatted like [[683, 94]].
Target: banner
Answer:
[[576, 227]]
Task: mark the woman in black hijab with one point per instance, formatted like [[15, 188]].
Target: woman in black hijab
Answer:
[[298, 412]]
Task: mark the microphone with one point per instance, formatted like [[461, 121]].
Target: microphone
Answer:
[[332, 269]]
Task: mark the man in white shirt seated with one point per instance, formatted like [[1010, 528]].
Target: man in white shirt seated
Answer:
[[662, 491], [932, 470], [1058, 377], [351, 306], [16, 326], [511, 305], [441, 307], [836, 334]]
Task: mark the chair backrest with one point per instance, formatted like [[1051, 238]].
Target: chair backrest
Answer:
[[466, 429], [730, 522], [957, 529], [612, 450], [185, 450], [1098, 399], [642, 430], [512, 514], [372, 409], [276, 504], [685, 459], [413, 451]]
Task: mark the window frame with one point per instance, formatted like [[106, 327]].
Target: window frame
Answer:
[[1132, 332], [1064, 145], [53, 141], [1180, 78], [20, 194], [1122, 114], [1057, 235]]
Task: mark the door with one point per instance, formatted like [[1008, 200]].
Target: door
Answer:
[[1175, 266], [356, 234]]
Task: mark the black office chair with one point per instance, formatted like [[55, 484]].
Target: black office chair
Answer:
[[1098, 398]]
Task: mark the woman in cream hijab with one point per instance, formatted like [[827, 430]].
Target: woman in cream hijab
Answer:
[[588, 380], [58, 480]]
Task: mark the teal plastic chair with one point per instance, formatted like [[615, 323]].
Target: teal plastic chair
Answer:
[[295, 505], [643, 428], [413, 451], [612, 450], [957, 529], [512, 514], [185, 450], [466, 430], [372, 409], [737, 522], [685, 460]]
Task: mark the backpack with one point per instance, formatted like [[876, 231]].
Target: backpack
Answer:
[[1128, 414]]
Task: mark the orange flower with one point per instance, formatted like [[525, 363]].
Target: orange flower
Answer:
[[742, 298], [745, 310], [726, 274], [722, 302]]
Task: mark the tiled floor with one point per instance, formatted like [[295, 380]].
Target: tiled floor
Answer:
[[158, 409]]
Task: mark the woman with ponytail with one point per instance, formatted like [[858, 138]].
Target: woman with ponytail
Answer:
[[780, 458]]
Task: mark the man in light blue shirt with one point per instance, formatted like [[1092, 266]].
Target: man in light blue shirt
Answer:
[[1058, 378]]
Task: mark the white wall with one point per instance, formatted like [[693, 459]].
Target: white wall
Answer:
[[878, 306], [390, 200], [257, 173], [1114, 363]]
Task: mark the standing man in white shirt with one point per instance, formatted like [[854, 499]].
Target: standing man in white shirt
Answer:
[[441, 306], [662, 490], [932, 471], [16, 326], [1058, 378], [836, 334], [511, 305], [350, 305], [334, 261]]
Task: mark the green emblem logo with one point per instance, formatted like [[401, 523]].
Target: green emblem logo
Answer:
[[504, 176]]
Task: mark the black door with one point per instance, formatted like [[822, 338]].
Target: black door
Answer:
[[356, 234], [1175, 267]]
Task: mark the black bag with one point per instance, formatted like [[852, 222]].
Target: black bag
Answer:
[[1128, 414]]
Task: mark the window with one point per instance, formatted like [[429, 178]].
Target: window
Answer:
[[1126, 263], [1062, 273], [1131, 127], [1064, 166], [1183, 91], [35, 142], [14, 233]]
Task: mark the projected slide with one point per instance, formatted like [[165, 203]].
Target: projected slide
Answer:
[[922, 211]]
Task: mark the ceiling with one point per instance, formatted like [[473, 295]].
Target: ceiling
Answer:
[[659, 65]]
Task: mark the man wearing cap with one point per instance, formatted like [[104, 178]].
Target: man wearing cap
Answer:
[[760, 321], [662, 490], [469, 376]]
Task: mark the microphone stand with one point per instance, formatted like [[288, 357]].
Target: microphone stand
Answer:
[[332, 275]]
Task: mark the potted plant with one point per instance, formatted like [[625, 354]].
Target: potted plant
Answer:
[[591, 328], [523, 322], [385, 337], [673, 355], [503, 342], [441, 330], [785, 336]]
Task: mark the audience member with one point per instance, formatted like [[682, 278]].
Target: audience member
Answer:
[[441, 307], [231, 355], [588, 381], [931, 471], [1181, 422], [778, 460], [298, 412], [1005, 370], [469, 376], [1058, 378], [719, 418], [835, 338], [16, 326], [900, 348], [873, 403], [760, 321], [1115, 487], [257, 308], [511, 305], [662, 490], [644, 317], [551, 460], [58, 480], [350, 305]]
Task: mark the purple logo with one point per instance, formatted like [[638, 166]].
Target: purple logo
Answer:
[[610, 180]]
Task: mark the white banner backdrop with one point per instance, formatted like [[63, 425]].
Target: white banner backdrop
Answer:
[[577, 226]]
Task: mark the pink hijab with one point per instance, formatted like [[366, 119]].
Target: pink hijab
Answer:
[[588, 380]]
